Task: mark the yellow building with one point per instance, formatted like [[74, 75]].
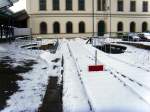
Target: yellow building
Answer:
[[80, 18]]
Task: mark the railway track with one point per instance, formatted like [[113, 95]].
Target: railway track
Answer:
[[79, 75], [125, 80], [130, 64]]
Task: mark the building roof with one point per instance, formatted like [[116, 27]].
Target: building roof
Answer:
[[4, 4], [21, 15]]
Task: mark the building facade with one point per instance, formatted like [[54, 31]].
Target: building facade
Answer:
[[84, 18]]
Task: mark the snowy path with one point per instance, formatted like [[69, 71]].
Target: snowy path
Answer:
[[120, 95]]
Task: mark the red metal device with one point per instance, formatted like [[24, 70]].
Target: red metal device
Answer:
[[95, 68]]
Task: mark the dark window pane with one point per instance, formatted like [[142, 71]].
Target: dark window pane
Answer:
[[81, 4], [43, 28], [55, 4], [145, 6], [56, 28], [132, 27], [120, 5], [81, 27], [99, 5], [68, 4], [120, 26], [42, 4], [144, 27], [69, 27], [132, 6]]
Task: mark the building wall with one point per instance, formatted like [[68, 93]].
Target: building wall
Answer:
[[62, 16]]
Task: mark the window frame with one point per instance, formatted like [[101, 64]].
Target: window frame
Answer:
[[120, 5], [55, 5], [132, 3], [80, 4], [42, 6], [82, 28]]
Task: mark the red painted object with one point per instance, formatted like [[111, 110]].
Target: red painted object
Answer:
[[94, 68]]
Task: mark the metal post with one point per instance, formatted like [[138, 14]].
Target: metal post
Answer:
[[95, 57], [110, 21], [93, 15]]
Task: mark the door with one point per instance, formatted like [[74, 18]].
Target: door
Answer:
[[101, 28]]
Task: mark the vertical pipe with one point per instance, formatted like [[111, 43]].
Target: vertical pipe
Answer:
[[93, 15], [110, 21], [110, 15], [96, 57]]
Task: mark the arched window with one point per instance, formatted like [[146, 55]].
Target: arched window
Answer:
[[120, 26], [81, 4], [43, 28], [144, 26], [101, 28], [56, 28], [42, 4], [69, 28], [81, 27], [132, 26]]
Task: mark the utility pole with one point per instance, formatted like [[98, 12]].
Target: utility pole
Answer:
[[110, 21], [93, 16]]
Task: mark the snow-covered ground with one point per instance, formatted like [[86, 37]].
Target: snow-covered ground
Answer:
[[33, 86], [144, 43], [123, 86]]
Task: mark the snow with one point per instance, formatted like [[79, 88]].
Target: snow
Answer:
[[32, 89], [122, 95], [123, 85], [74, 99]]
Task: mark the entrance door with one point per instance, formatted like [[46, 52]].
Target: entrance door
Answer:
[[101, 28]]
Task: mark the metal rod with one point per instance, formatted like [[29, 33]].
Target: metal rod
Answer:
[[93, 16], [110, 21]]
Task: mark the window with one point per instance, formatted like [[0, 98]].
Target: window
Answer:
[[69, 27], [132, 27], [144, 26], [120, 26], [101, 5], [43, 28], [81, 4], [56, 28], [132, 6], [55, 4], [120, 5], [145, 6], [42, 4], [81, 27], [68, 4]]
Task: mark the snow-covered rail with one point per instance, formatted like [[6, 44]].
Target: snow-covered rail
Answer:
[[79, 75], [140, 89], [119, 85], [130, 64]]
